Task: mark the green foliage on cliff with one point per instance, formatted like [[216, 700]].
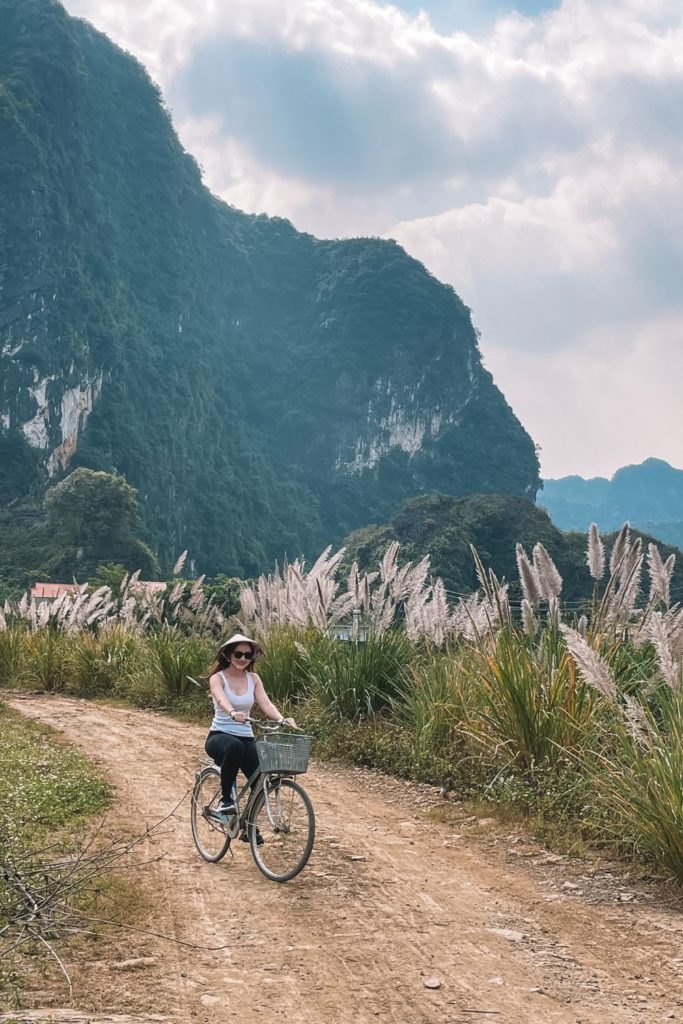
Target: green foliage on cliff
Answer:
[[19, 467], [27, 553], [255, 381]]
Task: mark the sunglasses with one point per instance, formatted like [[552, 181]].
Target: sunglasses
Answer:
[[243, 654]]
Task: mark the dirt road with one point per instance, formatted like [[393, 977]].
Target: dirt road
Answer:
[[510, 938]]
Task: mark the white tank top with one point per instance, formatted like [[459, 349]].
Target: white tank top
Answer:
[[222, 722]]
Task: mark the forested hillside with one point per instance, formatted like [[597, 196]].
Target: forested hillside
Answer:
[[264, 391], [445, 527]]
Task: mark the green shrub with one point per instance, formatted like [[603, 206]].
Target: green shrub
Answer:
[[98, 663], [641, 786], [351, 679], [385, 743], [13, 655], [174, 657], [142, 687], [284, 666], [535, 709], [437, 698], [46, 659]]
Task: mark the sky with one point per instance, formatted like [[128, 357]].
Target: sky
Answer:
[[529, 153]]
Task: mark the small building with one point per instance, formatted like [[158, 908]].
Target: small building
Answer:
[[41, 592], [149, 587], [355, 631]]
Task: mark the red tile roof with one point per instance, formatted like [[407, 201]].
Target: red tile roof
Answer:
[[52, 590], [150, 586], [49, 591]]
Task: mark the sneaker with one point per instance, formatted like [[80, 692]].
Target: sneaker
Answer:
[[259, 838], [226, 807]]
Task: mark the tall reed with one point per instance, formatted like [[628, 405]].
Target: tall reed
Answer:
[[174, 659], [534, 709], [437, 698], [46, 659], [640, 781], [12, 655], [99, 663], [288, 651], [352, 679]]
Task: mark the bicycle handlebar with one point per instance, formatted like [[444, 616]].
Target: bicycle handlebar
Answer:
[[267, 726]]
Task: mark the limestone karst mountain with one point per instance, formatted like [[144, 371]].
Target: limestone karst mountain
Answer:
[[264, 390]]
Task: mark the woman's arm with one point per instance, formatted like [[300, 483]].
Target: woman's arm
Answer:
[[218, 693], [266, 704]]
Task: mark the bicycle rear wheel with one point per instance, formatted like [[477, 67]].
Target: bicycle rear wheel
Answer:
[[283, 818], [210, 834]]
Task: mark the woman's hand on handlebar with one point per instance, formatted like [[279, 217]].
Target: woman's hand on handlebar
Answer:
[[239, 716]]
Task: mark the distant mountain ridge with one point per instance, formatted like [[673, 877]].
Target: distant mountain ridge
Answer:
[[649, 496], [265, 391]]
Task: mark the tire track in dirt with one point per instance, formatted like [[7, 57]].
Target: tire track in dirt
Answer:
[[354, 940]]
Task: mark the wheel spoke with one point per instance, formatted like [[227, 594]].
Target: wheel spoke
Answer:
[[283, 818], [208, 829]]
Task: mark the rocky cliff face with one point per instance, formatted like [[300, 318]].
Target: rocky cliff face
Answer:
[[54, 424], [264, 390]]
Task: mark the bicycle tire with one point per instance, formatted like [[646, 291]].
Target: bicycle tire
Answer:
[[285, 820], [210, 837]]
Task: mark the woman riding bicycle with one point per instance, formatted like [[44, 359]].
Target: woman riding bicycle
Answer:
[[234, 689]]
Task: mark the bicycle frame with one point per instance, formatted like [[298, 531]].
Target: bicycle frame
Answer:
[[277, 819], [256, 782]]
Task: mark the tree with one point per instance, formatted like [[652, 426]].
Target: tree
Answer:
[[93, 510], [110, 574], [97, 514], [225, 591]]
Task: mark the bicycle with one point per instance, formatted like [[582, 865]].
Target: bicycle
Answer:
[[278, 818]]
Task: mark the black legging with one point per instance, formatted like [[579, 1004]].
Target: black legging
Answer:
[[231, 753]]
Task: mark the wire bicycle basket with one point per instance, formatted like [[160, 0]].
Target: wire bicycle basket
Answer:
[[284, 752]]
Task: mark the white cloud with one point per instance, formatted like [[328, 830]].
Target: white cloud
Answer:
[[611, 399], [160, 33], [535, 165], [516, 259]]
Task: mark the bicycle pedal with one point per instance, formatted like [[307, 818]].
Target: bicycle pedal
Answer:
[[221, 816]]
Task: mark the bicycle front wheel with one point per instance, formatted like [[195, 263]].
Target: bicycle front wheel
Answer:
[[209, 832], [281, 830]]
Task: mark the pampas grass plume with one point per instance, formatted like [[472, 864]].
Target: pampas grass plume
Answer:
[[549, 579], [589, 663], [619, 548], [596, 553], [178, 567], [528, 577], [660, 573]]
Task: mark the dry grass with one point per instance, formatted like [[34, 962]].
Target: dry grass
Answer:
[[55, 888]]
